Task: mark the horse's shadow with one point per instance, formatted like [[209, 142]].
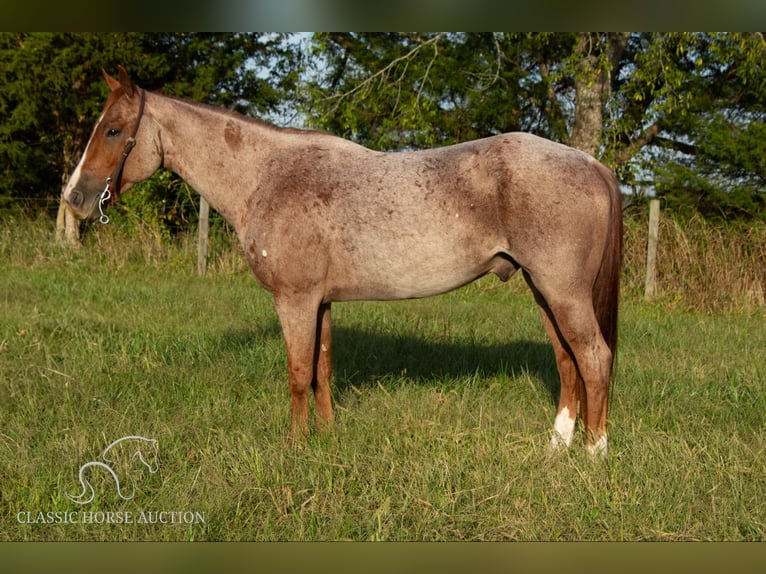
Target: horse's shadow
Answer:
[[363, 357]]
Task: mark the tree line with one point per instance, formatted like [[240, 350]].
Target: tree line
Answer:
[[680, 116]]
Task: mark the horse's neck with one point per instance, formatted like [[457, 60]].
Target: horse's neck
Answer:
[[216, 153]]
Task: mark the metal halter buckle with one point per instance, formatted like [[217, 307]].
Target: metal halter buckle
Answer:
[[105, 196]]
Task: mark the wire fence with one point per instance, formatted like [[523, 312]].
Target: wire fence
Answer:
[[22, 203]]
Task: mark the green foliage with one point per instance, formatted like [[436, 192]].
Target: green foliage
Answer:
[[51, 92], [396, 90], [710, 104], [48, 102], [164, 203], [687, 192], [725, 179]]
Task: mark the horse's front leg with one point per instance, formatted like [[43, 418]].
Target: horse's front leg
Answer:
[[298, 316], [323, 361]]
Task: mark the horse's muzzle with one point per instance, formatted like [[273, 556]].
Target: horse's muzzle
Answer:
[[81, 205], [75, 199]]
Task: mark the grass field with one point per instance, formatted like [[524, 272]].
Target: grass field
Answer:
[[443, 412]]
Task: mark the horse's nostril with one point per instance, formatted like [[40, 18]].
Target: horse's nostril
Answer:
[[75, 199]]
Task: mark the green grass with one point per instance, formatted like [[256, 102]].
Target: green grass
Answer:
[[443, 411]]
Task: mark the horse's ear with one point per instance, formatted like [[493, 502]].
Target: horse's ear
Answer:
[[113, 84], [125, 81]]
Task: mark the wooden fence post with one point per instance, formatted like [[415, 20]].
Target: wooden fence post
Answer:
[[204, 220], [650, 284]]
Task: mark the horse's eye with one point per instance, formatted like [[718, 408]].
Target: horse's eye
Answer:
[[112, 132]]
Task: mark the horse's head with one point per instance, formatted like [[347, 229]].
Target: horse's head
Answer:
[[110, 162]]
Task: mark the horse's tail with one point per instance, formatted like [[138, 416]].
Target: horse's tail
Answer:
[[606, 289]]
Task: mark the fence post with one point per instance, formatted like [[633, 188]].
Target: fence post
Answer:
[[204, 218], [650, 284]]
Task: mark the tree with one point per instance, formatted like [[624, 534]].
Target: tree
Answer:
[[710, 151], [394, 91], [51, 90], [641, 102]]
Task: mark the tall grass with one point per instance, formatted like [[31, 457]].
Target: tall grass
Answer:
[[700, 265], [443, 409]]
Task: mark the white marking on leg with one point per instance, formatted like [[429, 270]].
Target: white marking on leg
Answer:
[[264, 253], [599, 448], [563, 429]]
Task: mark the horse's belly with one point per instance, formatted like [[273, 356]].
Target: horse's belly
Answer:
[[393, 290], [412, 275]]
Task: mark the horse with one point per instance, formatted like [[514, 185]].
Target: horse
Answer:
[[140, 446], [322, 219]]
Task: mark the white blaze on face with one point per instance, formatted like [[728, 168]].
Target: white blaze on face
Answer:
[[75, 177], [563, 429]]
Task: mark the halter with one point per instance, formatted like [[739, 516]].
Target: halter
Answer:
[[112, 188]]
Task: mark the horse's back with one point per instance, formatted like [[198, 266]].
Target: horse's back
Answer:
[[411, 224]]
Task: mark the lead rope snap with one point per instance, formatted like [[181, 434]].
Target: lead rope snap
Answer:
[[105, 196]]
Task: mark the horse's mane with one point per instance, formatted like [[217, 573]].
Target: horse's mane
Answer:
[[217, 110]]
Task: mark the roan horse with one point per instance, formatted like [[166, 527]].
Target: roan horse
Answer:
[[322, 219]]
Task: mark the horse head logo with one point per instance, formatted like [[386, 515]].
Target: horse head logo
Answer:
[[119, 459]]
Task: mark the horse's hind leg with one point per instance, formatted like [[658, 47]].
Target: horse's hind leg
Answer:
[[579, 345], [576, 321], [571, 385]]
